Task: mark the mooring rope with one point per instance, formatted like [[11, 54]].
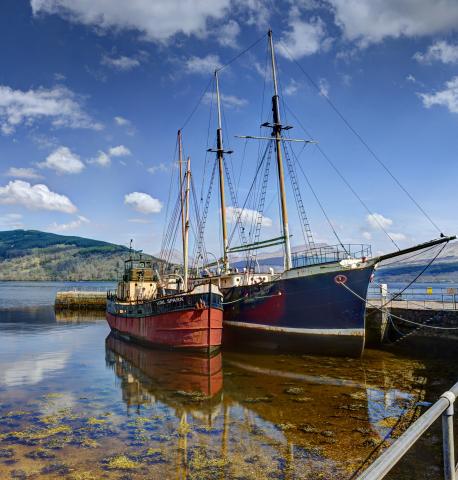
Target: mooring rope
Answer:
[[380, 309], [415, 303], [234, 301], [423, 270]]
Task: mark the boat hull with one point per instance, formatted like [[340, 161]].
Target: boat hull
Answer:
[[309, 313], [178, 322]]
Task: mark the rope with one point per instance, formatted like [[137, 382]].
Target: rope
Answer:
[[249, 192], [233, 59], [193, 111], [234, 301], [296, 157], [414, 302], [408, 258], [363, 142], [403, 336], [347, 183], [396, 316], [418, 276]]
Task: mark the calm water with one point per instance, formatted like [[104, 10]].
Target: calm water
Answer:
[[34, 294], [78, 404]]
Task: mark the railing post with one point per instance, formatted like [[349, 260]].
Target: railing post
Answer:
[[448, 444]]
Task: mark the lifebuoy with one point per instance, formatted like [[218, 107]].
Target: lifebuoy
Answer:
[[340, 279]]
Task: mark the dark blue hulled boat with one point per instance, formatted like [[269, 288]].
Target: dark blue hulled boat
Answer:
[[316, 304], [306, 308]]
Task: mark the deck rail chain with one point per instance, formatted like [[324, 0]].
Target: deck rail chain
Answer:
[[444, 407]]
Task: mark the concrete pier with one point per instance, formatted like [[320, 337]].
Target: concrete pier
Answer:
[[430, 314], [81, 300]]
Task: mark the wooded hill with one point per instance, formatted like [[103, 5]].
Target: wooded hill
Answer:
[[34, 255]]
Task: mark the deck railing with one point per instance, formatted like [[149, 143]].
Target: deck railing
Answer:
[[330, 253], [390, 457]]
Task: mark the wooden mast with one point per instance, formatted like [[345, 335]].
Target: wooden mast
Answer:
[[220, 155], [186, 226], [181, 183], [276, 132]]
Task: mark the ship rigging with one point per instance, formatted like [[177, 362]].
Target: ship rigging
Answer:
[[303, 306]]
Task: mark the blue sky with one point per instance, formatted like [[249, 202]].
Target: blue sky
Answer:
[[92, 94]]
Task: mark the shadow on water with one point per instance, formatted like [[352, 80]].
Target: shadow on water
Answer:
[[78, 404]]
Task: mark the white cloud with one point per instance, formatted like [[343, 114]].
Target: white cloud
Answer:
[[119, 151], [292, 88], [64, 227], [253, 12], [371, 21], [59, 105], [303, 38], [162, 167], [397, 237], [139, 220], [121, 121], [121, 63], [20, 172], [323, 85], [157, 20], [63, 161], [11, 220], [203, 65], [230, 101], [346, 79], [367, 235], [124, 122], [102, 159], [34, 197], [448, 97], [410, 78], [31, 372], [227, 35], [439, 51], [246, 215], [143, 203], [377, 221]]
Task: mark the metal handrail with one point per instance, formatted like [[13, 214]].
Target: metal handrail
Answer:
[[444, 406], [446, 297], [330, 253]]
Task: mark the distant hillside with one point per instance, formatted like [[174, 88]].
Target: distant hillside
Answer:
[[35, 255], [443, 269]]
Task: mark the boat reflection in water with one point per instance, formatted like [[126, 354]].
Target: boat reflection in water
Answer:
[[173, 377], [285, 416]]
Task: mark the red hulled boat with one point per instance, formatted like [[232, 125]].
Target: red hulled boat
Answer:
[[162, 311]]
